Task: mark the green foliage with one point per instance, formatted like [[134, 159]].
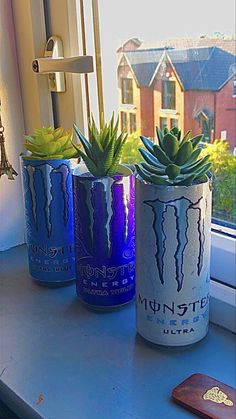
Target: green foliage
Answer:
[[130, 152], [224, 180], [48, 143], [174, 161], [102, 153]]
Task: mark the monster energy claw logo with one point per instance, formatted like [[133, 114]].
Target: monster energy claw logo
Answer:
[[181, 206], [46, 171]]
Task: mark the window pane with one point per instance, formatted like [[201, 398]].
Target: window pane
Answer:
[[127, 91], [176, 74], [163, 123], [173, 123], [132, 122], [123, 119], [168, 94]]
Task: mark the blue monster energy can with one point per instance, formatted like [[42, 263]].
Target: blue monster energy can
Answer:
[[104, 240], [173, 262], [48, 200]]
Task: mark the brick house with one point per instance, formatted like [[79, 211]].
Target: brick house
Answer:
[[192, 88]]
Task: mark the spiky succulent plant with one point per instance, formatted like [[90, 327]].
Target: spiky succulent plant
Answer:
[[48, 143], [102, 152], [175, 161]]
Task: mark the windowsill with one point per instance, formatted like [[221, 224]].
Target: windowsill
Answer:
[[127, 106], [169, 111], [88, 363]]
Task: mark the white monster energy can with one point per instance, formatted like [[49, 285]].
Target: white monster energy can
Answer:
[[173, 262]]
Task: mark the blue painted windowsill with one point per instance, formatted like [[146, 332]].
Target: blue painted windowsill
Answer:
[[90, 365]]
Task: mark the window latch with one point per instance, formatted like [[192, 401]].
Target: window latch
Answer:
[[55, 65]]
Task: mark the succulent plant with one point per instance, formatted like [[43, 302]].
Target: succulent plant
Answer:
[[48, 143], [103, 151], [175, 160]]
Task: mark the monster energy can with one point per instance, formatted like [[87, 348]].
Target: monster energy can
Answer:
[[48, 198], [173, 262], [104, 239]]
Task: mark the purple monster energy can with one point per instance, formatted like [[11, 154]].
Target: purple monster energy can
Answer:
[[104, 220]]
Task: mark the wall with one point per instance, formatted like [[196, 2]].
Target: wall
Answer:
[[147, 111], [226, 113], [11, 206]]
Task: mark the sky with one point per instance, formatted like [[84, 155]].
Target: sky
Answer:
[[150, 20]]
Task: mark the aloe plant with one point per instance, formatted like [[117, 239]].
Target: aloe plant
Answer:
[[175, 160], [48, 143], [102, 153]]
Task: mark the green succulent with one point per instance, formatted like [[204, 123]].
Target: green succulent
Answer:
[[175, 160], [48, 143], [102, 153]]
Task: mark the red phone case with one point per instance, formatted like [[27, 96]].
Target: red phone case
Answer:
[[207, 397]]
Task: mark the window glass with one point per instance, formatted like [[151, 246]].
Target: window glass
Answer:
[[170, 72], [173, 123], [123, 120], [163, 123], [127, 90], [234, 88], [168, 94], [132, 122]]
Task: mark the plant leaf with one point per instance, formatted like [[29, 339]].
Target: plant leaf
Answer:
[[159, 180], [195, 166], [186, 181], [161, 155], [159, 136], [150, 159], [84, 141], [145, 176], [196, 140], [185, 137], [194, 156], [170, 145], [148, 144], [152, 169], [184, 153]]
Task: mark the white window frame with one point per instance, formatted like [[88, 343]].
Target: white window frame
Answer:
[[223, 274], [38, 111], [32, 31]]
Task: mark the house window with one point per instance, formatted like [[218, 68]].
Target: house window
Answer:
[[168, 94], [132, 121], [173, 123], [163, 123], [127, 91], [123, 119], [234, 88]]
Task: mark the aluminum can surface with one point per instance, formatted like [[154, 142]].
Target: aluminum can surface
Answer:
[[172, 262], [47, 186], [104, 239]]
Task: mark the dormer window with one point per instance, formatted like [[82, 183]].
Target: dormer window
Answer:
[[234, 88], [168, 94], [127, 91]]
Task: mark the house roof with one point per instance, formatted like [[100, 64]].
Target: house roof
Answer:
[[198, 68], [228, 45]]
